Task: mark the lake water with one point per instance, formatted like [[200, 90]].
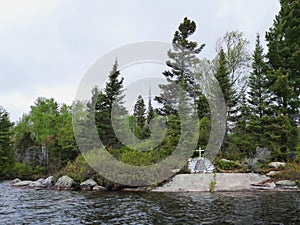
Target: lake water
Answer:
[[23, 206]]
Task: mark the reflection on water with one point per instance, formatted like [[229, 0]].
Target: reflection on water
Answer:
[[20, 206]]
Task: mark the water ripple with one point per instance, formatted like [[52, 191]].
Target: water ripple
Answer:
[[23, 206]]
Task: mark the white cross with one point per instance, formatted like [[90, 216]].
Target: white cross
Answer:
[[200, 151]]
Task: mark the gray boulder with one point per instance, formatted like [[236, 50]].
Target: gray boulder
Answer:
[[65, 183], [203, 165], [262, 154], [191, 165], [41, 180], [36, 184], [286, 184], [277, 165], [200, 165], [49, 181], [272, 173], [24, 183], [15, 181], [88, 185]]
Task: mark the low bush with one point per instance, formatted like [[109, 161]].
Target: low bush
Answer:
[[79, 170], [227, 165], [291, 171], [25, 171]]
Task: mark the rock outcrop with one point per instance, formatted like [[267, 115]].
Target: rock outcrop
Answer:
[[200, 165], [223, 182]]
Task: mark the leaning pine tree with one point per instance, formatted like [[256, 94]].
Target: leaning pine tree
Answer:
[[182, 58]]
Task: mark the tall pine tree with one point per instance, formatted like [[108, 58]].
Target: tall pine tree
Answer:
[[151, 112], [139, 112], [284, 57], [284, 73], [109, 107], [180, 74], [222, 75], [260, 119], [140, 119], [6, 152]]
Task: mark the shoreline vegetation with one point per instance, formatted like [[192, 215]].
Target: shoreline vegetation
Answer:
[[274, 176], [261, 92]]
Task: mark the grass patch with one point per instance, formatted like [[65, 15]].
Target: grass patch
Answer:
[[291, 171], [213, 183]]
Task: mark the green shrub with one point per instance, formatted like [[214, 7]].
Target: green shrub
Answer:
[[25, 171], [79, 170], [291, 171], [227, 165], [137, 158]]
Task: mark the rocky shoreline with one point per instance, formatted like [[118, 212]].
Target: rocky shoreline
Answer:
[[221, 182], [63, 183], [197, 182]]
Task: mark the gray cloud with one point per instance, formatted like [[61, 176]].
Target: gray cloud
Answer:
[[47, 46]]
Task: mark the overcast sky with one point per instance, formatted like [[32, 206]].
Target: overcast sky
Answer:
[[47, 46]]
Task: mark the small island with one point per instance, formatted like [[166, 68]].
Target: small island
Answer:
[[258, 106]]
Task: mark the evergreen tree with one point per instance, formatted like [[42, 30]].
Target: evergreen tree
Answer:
[[241, 140], [151, 112], [182, 57], [109, 108], [284, 57], [6, 152], [259, 99], [140, 119], [222, 75], [284, 74], [139, 112], [233, 48]]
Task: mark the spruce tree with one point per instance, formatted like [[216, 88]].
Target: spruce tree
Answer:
[[233, 48], [241, 140], [222, 75], [182, 58], [259, 97], [259, 125], [108, 107], [150, 112], [140, 117], [6, 152], [284, 73], [283, 57]]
